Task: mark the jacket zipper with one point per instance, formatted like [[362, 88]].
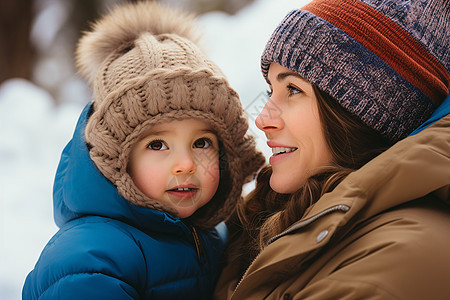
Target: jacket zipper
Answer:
[[198, 245], [296, 226]]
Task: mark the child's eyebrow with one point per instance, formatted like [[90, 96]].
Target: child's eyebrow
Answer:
[[156, 132], [208, 131], [150, 132]]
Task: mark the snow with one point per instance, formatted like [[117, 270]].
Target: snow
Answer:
[[33, 131]]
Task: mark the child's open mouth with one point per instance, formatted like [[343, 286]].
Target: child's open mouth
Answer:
[[183, 192]]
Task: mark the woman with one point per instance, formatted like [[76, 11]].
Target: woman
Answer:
[[354, 204]]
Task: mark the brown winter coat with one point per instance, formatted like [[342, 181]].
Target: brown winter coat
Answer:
[[383, 233]]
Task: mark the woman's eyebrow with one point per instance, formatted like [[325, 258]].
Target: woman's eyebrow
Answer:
[[283, 75]]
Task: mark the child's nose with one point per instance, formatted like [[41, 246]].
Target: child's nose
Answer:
[[184, 164]]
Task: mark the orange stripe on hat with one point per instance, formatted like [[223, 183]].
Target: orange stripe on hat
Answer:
[[390, 42]]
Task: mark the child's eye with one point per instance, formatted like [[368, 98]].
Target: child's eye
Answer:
[[293, 90], [157, 145], [202, 143]]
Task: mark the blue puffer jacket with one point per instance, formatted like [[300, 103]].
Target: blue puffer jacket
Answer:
[[107, 248]]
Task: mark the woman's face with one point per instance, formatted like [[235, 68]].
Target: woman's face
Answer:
[[290, 120]]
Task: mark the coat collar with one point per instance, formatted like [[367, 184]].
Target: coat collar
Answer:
[[442, 111]]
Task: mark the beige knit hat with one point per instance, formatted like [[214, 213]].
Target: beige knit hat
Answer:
[[146, 69]]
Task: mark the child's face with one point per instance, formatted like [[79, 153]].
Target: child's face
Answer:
[[177, 164]]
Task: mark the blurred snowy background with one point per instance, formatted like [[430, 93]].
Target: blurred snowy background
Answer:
[[39, 106]]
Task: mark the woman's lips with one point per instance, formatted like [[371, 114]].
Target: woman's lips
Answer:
[[280, 156], [279, 151]]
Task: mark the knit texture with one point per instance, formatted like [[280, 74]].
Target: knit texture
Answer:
[[385, 61], [145, 70]]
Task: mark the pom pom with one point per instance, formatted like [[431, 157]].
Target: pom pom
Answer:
[[123, 25]]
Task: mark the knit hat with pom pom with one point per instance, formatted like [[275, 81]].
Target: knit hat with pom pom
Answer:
[[146, 69]]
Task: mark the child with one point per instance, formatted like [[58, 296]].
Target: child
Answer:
[[157, 161]]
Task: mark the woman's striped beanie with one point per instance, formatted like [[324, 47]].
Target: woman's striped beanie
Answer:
[[385, 61]]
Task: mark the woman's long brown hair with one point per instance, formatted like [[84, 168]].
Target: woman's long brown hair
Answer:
[[265, 213]]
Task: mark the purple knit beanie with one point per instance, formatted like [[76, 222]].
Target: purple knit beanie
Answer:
[[385, 61]]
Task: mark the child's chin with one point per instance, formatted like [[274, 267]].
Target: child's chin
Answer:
[[185, 213]]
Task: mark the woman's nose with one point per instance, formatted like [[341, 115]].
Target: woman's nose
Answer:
[[269, 118], [184, 164]]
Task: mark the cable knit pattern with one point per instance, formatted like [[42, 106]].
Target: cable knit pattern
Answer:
[[151, 72]]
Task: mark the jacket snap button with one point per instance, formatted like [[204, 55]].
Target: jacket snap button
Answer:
[[322, 235]]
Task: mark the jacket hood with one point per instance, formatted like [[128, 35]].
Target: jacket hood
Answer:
[[411, 169], [80, 189], [442, 111]]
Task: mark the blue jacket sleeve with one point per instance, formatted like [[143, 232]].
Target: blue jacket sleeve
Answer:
[[89, 260], [90, 286]]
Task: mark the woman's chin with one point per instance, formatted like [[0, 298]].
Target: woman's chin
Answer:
[[284, 185]]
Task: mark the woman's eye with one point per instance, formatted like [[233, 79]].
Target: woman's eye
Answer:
[[157, 145], [293, 90], [202, 143]]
